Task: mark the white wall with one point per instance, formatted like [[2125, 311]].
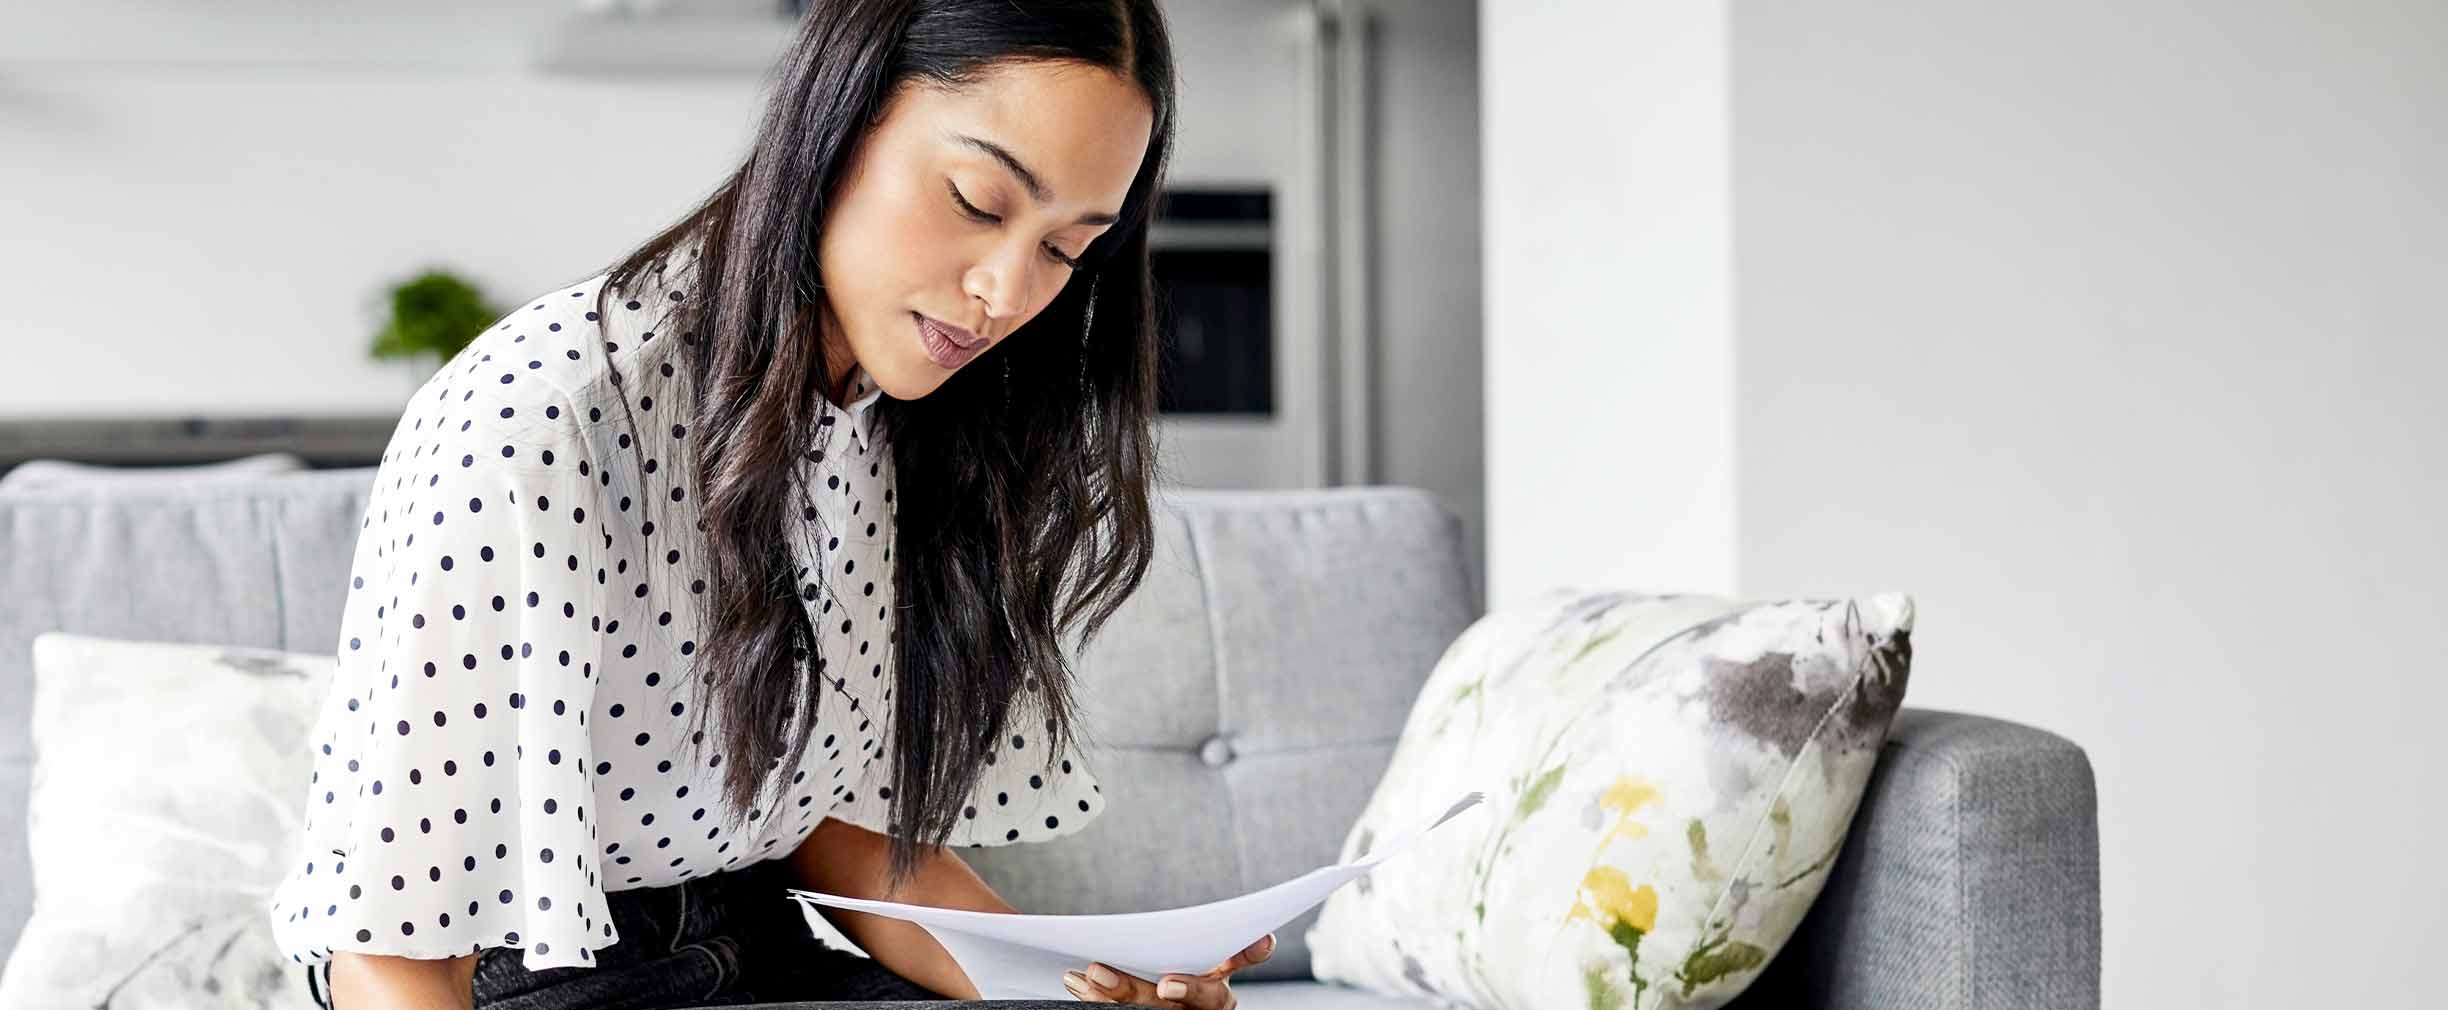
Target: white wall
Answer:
[[1607, 296], [2113, 330], [2110, 330], [200, 220]]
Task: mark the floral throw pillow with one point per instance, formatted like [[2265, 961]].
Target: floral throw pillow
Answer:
[[1668, 780], [164, 806]]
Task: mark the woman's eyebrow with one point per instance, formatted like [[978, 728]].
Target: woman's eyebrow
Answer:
[[1028, 180]]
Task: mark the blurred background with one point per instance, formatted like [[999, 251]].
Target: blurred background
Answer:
[[2113, 332]]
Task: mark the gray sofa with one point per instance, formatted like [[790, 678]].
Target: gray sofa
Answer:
[[1242, 707]]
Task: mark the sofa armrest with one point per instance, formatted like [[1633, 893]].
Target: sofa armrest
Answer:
[[1969, 881]]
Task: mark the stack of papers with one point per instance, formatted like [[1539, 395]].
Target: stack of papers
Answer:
[[1010, 956]]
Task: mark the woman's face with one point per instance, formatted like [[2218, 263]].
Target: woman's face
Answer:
[[1042, 154]]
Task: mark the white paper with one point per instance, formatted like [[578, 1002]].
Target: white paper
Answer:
[[1015, 956]]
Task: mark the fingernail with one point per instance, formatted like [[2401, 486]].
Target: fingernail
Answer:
[[1105, 976], [1171, 988], [1073, 982]]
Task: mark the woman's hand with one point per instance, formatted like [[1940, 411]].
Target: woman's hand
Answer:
[[1205, 991]]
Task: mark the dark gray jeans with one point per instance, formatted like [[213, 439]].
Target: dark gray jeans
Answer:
[[726, 939]]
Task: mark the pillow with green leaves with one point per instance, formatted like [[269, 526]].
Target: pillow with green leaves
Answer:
[[1669, 778]]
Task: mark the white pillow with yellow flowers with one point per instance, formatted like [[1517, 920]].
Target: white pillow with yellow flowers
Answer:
[[1668, 780]]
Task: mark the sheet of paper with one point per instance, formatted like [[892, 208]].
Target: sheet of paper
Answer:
[[1018, 956]]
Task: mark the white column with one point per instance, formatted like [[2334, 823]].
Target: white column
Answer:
[[1608, 222]]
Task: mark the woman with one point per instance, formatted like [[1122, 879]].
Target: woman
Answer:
[[624, 655]]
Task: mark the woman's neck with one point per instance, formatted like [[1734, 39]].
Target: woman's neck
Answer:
[[840, 361]]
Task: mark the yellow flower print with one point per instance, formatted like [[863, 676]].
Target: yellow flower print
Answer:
[[1625, 914], [1626, 796], [1607, 897]]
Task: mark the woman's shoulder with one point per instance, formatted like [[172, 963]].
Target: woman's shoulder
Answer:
[[553, 346], [510, 396], [546, 374]]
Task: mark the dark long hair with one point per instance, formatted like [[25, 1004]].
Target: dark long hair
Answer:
[[1015, 526]]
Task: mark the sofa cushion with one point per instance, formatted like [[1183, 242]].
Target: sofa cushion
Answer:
[[166, 799], [1670, 779]]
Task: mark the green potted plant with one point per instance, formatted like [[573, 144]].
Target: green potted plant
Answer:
[[435, 313]]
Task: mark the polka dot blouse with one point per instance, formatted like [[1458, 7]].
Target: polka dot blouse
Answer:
[[507, 736]]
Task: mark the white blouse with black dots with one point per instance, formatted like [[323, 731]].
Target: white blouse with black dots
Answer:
[[507, 736]]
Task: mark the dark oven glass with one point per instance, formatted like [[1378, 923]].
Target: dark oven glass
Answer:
[[1211, 250]]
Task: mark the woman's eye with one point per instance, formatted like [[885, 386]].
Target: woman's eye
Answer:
[[965, 206]]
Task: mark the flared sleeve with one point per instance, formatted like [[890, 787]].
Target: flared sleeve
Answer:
[[451, 807]]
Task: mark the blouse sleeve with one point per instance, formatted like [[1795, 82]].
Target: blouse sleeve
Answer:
[[448, 807], [1017, 799]]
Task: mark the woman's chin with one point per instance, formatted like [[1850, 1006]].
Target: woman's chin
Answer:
[[904, 379]]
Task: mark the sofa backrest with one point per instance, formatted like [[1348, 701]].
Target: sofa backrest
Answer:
[[1242, 704]]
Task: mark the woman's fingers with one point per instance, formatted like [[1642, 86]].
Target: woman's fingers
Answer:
[[1202, 992], [1082, 986], [1173, 992], [1254, 953], [1079, 988], [1106, 984], [1103, 983]]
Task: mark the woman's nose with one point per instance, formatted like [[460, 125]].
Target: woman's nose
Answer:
[[1001, 284]]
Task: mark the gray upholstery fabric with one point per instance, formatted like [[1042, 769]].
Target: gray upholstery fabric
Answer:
[[1970, 879], [1241, 707]]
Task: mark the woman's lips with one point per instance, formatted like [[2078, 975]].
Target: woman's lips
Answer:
[[939, 346], [955, 334]]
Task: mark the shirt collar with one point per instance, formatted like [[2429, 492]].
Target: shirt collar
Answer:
[[863, 392]]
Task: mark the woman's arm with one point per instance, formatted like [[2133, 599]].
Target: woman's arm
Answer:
[[842, 858], [384, 982]]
